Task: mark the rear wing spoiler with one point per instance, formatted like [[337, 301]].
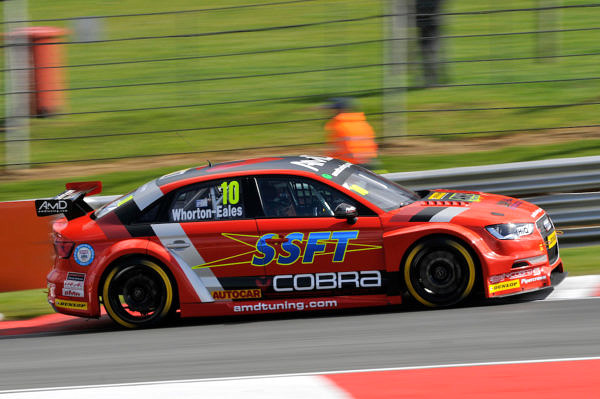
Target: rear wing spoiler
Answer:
[[70, 203]]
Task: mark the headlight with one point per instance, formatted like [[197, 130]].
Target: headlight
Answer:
[[510, 231]]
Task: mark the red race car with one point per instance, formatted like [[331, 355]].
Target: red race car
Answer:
[[289, 234]]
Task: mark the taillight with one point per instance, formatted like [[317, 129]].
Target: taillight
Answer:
[[63, 249]]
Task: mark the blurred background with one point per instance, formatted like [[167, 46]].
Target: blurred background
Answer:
[[126, 90]]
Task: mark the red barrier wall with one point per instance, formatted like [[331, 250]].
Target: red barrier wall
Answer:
[[25, 247]]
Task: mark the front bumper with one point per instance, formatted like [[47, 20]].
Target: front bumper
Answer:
[[525, 280], [557, 276]]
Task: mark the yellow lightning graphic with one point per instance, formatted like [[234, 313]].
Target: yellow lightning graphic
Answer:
[[217, 262]]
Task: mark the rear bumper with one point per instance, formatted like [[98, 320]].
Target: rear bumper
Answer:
[[69, 300]]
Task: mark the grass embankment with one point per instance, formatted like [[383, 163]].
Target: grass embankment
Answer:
[[319, 84], [24, 304], [31, 303]]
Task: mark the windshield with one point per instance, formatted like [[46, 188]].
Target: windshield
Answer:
[[383, 193], [103, 210]]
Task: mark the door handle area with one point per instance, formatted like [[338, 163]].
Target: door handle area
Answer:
[[178, 244]]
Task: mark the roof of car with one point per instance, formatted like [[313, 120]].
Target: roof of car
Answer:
[[306, 163]]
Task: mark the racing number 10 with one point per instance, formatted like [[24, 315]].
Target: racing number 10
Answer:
[[231, 192]]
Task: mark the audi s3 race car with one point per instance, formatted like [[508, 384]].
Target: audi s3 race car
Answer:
[[289, 234]]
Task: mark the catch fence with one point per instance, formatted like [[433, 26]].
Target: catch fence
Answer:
[[250, 76]]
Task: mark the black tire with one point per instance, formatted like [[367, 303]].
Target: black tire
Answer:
[[138, 293], [439, 272]]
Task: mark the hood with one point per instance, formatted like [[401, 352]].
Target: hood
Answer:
[[469, 208]]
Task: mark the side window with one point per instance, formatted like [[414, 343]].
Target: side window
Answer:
[[334, 197], [276, 197], [296, 197], [218, 200]]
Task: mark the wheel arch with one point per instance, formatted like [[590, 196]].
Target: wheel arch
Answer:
[[478, 287], [407, 238], [123, 258], [442, 236]]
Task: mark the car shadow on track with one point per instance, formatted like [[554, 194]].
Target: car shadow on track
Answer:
[[408, 306], [105, 325]]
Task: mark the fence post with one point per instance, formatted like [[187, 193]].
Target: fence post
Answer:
[[17, 78], [395, 56], [546, 44]]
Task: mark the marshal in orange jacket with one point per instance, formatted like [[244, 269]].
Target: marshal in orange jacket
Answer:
[[352, 138]]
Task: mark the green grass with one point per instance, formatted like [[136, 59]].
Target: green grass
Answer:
[[24, 304], [320, 84], [113, 183], [582, 260], [31, 303], [125, 181]]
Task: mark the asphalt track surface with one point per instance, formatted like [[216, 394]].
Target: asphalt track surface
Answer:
[[511, 330]]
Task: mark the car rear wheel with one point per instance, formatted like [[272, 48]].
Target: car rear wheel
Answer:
[[439, 272], [138, 293]]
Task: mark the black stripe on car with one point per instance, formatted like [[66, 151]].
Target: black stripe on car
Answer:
[[426, 214], [140, 230]]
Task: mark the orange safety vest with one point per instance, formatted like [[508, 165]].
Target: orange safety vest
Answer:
[[352, 138]]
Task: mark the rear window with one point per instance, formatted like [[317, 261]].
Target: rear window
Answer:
[[111, 206]]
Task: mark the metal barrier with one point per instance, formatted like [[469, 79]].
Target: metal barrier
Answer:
[[560, 186], [519, 178], [576, 214]]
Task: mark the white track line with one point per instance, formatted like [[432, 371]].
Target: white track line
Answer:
[[294, 385]]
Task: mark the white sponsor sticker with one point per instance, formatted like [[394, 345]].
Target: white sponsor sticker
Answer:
[[340, 169], [514, 275], [276, 306], [202, 203], [222, 211], [536, 212], [173, 174], [326, 281], [533, 279], [74, 285], [52, 206], [312, 162], [72, 293]]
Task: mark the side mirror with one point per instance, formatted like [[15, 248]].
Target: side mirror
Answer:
[[345, 211]]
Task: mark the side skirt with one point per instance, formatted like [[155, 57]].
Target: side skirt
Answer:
[[285, 305]]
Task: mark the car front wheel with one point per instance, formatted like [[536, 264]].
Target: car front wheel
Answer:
[[439, 272]]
